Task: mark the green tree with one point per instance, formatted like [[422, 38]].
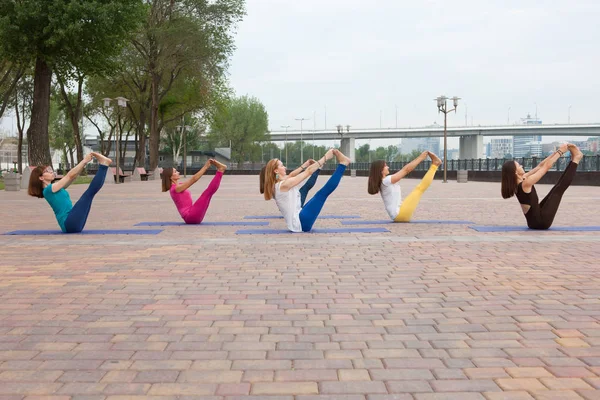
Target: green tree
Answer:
[[172, 137], [70, 37], [20, 100], [185, 38], [241, 121], [10, 74]]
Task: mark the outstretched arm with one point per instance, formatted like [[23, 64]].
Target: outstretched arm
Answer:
[[71, 175], [302, 168], [534, 176], [295, 180], [548, 160], [408, 168], [186, 185]]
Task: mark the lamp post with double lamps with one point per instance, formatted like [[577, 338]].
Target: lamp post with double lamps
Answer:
[[443, 107], [121, 103], [301, 143], [285, 142]]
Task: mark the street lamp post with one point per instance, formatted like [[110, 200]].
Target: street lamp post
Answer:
[[121, 103], [570, 115], [443, 107], [301, 142], [285, 142], [508, 117]]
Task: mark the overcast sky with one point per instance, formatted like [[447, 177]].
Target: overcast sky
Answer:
[[360, 59]]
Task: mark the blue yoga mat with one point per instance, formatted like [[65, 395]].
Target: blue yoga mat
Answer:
[[320, 217], [482, 228], [316, 230], [90, 232], [215, 223], [387, 221]]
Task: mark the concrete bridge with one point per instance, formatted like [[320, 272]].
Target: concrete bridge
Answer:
[[471, 137]]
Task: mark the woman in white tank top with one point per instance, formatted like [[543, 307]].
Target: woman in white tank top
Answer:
[[381, 181], [286, 190]]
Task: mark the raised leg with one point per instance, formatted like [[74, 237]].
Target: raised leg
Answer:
[[410, 203], [198, 209], [310, 212], [78, 215], [307, 186]]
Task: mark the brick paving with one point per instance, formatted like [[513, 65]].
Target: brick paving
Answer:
[[425, 312]]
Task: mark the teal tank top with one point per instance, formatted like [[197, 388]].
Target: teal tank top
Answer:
[[61, 204]]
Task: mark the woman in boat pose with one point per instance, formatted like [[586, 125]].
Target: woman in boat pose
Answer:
[[285, 190], [517, 182], [310, 182], [381, 181], [70, 217], [192, 213]]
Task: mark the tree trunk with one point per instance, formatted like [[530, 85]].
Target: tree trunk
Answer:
[[140, 155], [154, 133], [20, 139], [72, 159], [37, 133]]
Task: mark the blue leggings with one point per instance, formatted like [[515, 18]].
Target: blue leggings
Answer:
[[307, 186], [310, 212], [79, 213]]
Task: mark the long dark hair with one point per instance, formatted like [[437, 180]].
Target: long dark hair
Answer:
[[509, 179], [375, 176], [36, 186], [165, 176]]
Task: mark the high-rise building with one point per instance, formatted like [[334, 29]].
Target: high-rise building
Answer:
[[528, 146], [421, 144], [498, 148]]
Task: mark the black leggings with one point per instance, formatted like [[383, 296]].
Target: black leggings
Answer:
[[549, 205]]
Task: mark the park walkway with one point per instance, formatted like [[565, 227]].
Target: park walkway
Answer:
[[425, 312]]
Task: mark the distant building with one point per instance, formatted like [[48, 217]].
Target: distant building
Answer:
[[421, 144], [498, 148], [528, 146], [452, 154]]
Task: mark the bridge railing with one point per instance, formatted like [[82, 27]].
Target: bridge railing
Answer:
[[588, 163]]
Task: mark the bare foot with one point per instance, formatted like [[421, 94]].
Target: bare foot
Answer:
[[102, 159], [576, 154], [341, 158], [329, 155], [435, 160], [220, 167]]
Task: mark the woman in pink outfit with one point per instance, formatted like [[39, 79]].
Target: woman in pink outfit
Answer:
[[192, 213]]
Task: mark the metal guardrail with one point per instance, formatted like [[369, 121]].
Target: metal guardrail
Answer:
[[588, 163]]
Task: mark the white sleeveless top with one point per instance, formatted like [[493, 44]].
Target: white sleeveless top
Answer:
[[391, 195], [289, 205]]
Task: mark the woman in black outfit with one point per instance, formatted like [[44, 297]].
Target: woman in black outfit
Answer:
[[515, 181]]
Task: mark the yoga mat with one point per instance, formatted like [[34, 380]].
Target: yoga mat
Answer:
[[320, 216], [90, 232], [483, 228], [387, 221], [316, 230], [215, 223]]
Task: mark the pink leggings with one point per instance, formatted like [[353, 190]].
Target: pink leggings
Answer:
[[196, 212]]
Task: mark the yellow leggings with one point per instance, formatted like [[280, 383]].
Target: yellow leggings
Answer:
[[410, 203]]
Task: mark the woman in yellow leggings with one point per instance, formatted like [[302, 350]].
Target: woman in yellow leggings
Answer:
[[380, 181]]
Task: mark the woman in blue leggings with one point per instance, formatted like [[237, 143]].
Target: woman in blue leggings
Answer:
[[286, 190], [71, 218], [310, 182]]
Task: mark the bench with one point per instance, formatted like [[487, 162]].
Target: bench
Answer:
[[123, 177], [139, 174]]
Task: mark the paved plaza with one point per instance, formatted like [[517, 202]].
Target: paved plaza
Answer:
[[425, 312]]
